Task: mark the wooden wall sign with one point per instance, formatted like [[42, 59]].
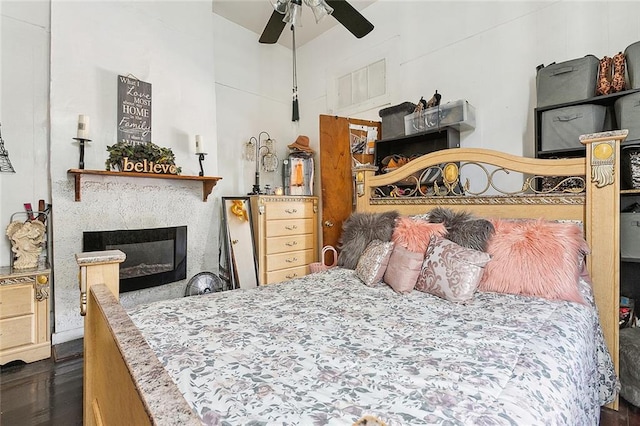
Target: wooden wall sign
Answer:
[[146, 166], [134, 110]]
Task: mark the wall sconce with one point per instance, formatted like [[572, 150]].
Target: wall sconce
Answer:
[[263, 151], [5, 163]]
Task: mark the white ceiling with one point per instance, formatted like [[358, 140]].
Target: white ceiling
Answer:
[[254, 14]]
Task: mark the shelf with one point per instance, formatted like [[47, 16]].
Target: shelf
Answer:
[[208, 182], [598, 100], [630, 191]]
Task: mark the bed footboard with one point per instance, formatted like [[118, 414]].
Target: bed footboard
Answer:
[[124, 382]]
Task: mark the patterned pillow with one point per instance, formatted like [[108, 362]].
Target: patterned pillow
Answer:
[[403, 269], [451, 271], [535, 258], [373, 262]]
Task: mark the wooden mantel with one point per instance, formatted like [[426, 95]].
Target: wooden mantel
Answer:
[[208, 182]]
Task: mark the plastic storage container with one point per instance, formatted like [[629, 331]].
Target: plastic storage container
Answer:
[[630, 166], [393, 119], [562, 127], [628, 115], [632, 55], [567, 81], [460, 115], [630, 235]]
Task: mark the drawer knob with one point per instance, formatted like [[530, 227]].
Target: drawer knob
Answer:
[[291, 276], [291, 227], [292, 243], [291, 211], [291, 260]]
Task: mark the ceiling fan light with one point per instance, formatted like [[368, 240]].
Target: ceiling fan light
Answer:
[[294, 13], [320, 9], [280, 6]]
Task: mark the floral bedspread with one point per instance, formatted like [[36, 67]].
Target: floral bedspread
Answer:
[[327, 350]]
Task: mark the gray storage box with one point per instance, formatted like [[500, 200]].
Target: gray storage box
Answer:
[[567, 81], [562, 127], [628, 115], [632, 55], [630, 235], [393, 119]]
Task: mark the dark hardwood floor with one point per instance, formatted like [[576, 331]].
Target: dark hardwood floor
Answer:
[[50, 393]]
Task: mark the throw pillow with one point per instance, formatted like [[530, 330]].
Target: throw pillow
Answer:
[[415, 234], [451, 271], [535, 258], [403, 269], [373, 262], [463, 228], [359, 230]]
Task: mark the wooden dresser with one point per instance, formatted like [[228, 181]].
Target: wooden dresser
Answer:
[[285, 234], [24, 315]]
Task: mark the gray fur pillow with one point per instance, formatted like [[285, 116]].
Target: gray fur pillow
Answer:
[[463, 228], [359, 230]]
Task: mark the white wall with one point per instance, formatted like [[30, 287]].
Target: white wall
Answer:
[[484, 52], [170, 45], [24, 113]]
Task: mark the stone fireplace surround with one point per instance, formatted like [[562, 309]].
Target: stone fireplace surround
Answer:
[[126, 203]]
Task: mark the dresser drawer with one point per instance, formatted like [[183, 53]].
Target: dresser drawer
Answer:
[[286, 274], [287, 244], [17, 331], [289, 210], [279, 228], [16, 300], [289, 260]]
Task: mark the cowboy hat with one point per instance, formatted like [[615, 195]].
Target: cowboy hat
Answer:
[[301, 144]]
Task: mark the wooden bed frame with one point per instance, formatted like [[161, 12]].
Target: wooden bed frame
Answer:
[[124, 383]]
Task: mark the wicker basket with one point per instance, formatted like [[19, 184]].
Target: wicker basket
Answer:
[[320, 266]]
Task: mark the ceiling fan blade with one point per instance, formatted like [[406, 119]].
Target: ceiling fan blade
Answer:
[[272, 31], [348, 16]]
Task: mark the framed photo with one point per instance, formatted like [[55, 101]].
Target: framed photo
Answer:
[[241, 259]]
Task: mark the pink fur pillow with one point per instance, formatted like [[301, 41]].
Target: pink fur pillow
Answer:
[[415, 234], [535, 258]]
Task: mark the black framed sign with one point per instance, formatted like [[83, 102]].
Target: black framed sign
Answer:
[[134, 110]]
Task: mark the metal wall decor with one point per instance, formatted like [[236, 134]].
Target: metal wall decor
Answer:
[[5, 163]]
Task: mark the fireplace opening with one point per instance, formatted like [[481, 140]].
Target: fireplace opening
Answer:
[[155, 256]]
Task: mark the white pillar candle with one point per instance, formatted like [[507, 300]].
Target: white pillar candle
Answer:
[[83, 126], [199, 145]]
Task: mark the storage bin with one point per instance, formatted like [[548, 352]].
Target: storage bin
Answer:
[[632, 56], [628, 115], [630, 166], [567, 81], [460, 115], [630, 235], [393, 119], [562, 127]]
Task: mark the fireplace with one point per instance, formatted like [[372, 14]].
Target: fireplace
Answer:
[[154, 256]]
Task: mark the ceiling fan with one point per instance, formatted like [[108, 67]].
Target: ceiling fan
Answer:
[[289, 12]]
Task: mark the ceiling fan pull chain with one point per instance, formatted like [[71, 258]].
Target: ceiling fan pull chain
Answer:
[[295, 108]]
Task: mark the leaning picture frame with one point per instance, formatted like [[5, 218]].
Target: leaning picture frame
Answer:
[[239, 243]]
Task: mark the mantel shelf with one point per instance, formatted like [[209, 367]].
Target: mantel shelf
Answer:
[[208, 182]]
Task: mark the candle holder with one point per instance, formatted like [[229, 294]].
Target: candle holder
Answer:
[[200, 159], [81, 141]]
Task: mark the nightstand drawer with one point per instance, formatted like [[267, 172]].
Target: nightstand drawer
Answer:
[[289, 210], [289, 260], [287, 244], [286, 274], [16, 300], [17, 331], [280, 228]]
